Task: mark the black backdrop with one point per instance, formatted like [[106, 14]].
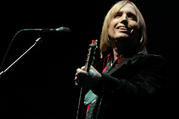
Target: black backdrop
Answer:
[[40, 85]]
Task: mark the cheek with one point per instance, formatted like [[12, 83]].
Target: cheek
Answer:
[[110, 30], [133, 24], [133, 27], [111, 27]]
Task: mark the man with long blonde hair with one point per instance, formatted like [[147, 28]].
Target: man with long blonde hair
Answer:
[[129, 73]]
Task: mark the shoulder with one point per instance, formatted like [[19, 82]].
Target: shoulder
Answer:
[[153, 59]]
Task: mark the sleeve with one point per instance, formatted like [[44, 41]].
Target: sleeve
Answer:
[[147, 78]]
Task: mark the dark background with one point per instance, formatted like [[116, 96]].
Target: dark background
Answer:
[[40, 85]]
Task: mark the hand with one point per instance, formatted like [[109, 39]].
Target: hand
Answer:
[[78, 75], [87, 79]]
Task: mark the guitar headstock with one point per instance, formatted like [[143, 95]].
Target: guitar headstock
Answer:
[[94, 43], [91, 54]]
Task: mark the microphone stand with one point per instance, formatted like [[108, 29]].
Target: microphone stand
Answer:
[[64, 29], [36, 41]]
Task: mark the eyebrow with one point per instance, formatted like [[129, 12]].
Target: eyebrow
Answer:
[[128, 12]]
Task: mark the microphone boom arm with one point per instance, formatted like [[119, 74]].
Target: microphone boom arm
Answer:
[[2, 72]]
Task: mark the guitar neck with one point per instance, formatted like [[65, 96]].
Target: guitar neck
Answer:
[[90, 56], [88, 63]]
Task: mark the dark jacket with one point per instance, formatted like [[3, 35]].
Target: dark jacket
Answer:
[[131, 88]]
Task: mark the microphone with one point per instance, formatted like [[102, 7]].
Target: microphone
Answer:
[[60, 29]]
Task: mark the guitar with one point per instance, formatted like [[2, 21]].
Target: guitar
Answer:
[[89, 61]]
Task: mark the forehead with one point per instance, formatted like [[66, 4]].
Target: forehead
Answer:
[[127, 8]]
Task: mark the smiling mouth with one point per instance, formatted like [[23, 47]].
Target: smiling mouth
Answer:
[[122, 29]]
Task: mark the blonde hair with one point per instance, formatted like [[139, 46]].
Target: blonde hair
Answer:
[[105, 43]]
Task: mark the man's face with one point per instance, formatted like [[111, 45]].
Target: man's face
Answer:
[[124, 23]]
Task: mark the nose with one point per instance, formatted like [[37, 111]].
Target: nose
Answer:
[[124, 19]]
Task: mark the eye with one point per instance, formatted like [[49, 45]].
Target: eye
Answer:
[[132, 16], [118, 14]]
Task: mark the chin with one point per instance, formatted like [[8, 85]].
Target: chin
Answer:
[[122, 36]]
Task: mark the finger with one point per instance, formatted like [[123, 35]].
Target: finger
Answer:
[[83, 67], [80, 71], [76, 83], [75, 78], [77, 70], [91, 67]]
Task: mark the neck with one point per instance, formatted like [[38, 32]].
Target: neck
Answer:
[[116, 53]]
